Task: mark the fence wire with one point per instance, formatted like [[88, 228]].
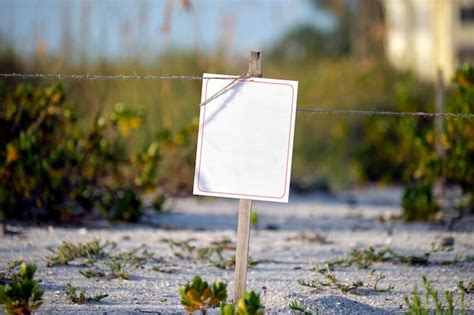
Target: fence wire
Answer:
[[119, 77], [385, 113], [95, 77]]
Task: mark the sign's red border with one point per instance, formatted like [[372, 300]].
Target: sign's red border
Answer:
[[288, 148]]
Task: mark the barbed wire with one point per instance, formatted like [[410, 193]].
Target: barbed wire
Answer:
[[118, 77], [385, 113], [95, 77]]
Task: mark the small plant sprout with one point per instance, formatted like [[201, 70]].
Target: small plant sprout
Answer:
[[335, 283], [297, 307], [69, 251], [91, 273], [74, 298], [311, 284], [224, 244], [118, 268], [379, 277], [133, 259], [213, 253], [21, 294], [365, 258], [199, 296], [416, 306], [226, 264], [331, 282], [469, 288], [119, 265], [181, 249]]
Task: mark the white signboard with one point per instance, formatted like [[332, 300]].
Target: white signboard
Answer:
[[245, 141]]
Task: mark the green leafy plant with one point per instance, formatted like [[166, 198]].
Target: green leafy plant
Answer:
[[22, 294], [199, 295], [82, 297], [5, 276], [227, 309], [250, 304], [417, 307]]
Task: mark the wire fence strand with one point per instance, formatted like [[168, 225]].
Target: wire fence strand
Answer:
[[384, 113], [96, 77], [119, 77]]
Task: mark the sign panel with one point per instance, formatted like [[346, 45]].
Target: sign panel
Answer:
[[245, 141]]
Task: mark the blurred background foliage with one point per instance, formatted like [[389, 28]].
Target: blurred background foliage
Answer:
[[97, 147]]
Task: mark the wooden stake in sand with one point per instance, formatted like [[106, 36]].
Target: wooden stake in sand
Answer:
[[245, 210]]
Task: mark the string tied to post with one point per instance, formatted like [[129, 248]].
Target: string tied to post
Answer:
[[225, 88]]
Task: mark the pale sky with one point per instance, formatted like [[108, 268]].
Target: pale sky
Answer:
[[120, 28]]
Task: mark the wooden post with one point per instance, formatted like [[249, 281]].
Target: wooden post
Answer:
[[245, 211], [439, 121], [439, 126]]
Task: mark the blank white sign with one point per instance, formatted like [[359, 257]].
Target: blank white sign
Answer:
[[245, 141]]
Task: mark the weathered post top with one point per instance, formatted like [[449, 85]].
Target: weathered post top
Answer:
[[255, 64]]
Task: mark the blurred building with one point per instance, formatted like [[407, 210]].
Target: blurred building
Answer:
[[424, 35]]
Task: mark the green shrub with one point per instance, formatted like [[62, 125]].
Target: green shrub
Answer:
[[404, 149], [458, 140], [21, 295], [418, 202], [455, 167], [49, 161], [52, 168], [389, 144], [128, 206]]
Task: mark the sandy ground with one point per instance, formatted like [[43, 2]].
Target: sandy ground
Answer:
[[285, 257]]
